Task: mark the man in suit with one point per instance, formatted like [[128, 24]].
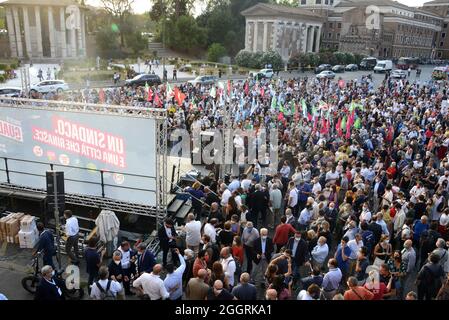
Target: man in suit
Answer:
[[378, 192], [300, 253], [263, 249], [46, 244], [146, 260], [258, 204], [167, 238], [49, 288]]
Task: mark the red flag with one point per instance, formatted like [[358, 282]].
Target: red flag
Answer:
[[262, 92], [157, 101], [338, 127], [324, 126], [246, 88], [101, 96], [229, 87], [349, 125], [179, 96], [150, 95], [309, 117]]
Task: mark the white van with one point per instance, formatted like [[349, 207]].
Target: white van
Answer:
[[383, 66]]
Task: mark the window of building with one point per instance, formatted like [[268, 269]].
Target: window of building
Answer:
[[303, 2], [440, 54], [338, 36], [339, 25], [443, 35], [329, 35], [318, 1], [326, 2], [331, 25], [445, 25], [332, 2], [441, 43]]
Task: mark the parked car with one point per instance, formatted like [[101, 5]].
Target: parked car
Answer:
[[368, 63], [185, 68], [204, 80], [12, 92], [49, 86], [398, 74], [266, 73], [322, 67], [352, 67], [338, 68], [326, 74], [143, 79], [383, 66]]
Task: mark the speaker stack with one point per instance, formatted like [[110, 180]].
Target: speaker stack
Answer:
[[60, 192]]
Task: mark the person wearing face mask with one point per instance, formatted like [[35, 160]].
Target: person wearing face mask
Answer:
[[332, 279], [382, 251], [263, 249], [128, 265], [49, 288], [115, 267], [229, 266], [366, 214], [249, 235], [300, 253]]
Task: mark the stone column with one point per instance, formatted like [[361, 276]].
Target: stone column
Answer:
[[18, 32], [80, 42], [247, 42], [275, 29], [63, 32], [11, 32], [83, 32], [255, 37], [72, 42], [265, 36], [37, 14], [318, 39], [26, 27], [51, 33], [310, 37]]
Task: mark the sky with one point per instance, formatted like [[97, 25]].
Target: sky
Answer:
[[141, 6]]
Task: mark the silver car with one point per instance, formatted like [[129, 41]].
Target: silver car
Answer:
[[12, 92], [326, 74], [204, 80], [49, 86]]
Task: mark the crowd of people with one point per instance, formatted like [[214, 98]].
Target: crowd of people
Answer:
[[357, 209]]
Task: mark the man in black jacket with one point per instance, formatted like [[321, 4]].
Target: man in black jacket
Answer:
[[258, 204], [49, 288], [167, 238], [146, 260], [300, 253]]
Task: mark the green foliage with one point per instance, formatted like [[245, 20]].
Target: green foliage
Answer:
[[184, 34], [2, 78], [215, 52], [136, 42], [259, 60], [4, 66], [107, 44]]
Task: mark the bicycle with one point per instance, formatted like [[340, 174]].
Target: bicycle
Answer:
[[30, 283]]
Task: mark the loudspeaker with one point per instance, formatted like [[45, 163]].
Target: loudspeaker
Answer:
[[59, 183], [51, 191]]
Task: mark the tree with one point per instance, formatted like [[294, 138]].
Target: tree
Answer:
[[215, 52], [136, 42], [119, 9], [273, 58], [107, 44], [184, 34]]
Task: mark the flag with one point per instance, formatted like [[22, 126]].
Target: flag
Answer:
[[149, 92], [213, 92], [323, 106], [179, 96], [304, 108], [338, 127], [169, 91], [246, 88], [101, 96], [253, 106], [262, 91], [229, 87], [273, 103], [157, 101], [358, 123], [343, 123]]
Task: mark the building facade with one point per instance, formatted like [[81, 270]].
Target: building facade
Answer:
[[45, 29], [283, 29], [441, 8]]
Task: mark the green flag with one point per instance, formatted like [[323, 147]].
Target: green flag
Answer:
[[357, 123], [343, 123], [304, 108], [273, 103]]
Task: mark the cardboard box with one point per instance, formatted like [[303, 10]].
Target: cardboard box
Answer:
[[28, 223], [28, 239]]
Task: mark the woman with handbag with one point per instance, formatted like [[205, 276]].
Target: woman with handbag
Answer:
[[382, 251]]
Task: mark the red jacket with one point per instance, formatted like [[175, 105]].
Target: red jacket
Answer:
[[282, 233]]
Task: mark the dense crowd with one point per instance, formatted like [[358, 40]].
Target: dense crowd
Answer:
[[356, 210]]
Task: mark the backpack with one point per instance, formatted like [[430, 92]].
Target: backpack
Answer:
[[105, 294]]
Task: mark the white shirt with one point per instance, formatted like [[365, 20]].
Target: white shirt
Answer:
[[115, 288], [365, 216], [152, 285], [293, 194], [126, 258], [245, 184], [71, 227], [316, 188], [399, 220], [304, 295], [193, 233], [354, 246], [210, 231], [444, 219], [234, 185], [320, 252], [168, 232], [174, 280], [225, 197], [229, 268]]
